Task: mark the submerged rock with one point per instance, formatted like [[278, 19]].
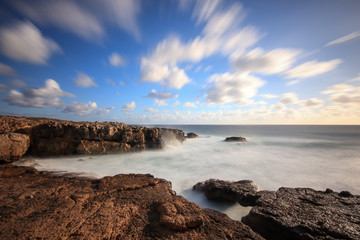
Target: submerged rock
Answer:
[[133, 206], [235, 139], [192, 135], [243, 192], [13, 146]]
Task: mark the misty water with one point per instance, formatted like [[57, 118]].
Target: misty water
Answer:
[[319, 157]]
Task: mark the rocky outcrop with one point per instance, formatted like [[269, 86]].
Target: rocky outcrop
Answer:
[[37, 205], [292, 213], [192, 135], [235, 139], [241, 191], [13, 146], [59, 137]]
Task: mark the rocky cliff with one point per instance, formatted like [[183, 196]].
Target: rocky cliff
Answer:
[[59, 137]]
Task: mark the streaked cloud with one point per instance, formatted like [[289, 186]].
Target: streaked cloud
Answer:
[[22, 41], [85, 81], [116, 60], [151, 110], [344, 94], [355, 79], [289, 98], [6, 70], [129, 107], [269, 96], [339, 88], [3, 88], [189, 105], [47, 96], [236, 88], [344, 39], [164, 95], [312, 68]]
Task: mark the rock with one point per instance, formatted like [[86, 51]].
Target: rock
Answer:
[[13, 146], [192, 135], [235, 139], [303, 213], [60, 137], [134, 206], [243, 192]]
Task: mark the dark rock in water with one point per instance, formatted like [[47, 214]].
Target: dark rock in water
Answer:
[[243, 192], [133, 206], [13, 146], [59, 137], [235, 139], [192, 135], [303, 213]]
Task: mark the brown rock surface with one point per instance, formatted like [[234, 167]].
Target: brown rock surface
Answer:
[[59, 137], [136, 206], [235, 139], [13, 146]]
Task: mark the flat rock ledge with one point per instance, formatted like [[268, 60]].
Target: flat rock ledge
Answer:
[[38, 205], [294, 213]]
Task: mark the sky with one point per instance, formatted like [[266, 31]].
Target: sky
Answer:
[[181, 61]]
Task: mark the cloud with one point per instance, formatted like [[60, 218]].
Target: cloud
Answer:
[[152, 110], [111, 82], [344, 39], [3, 88], [204, 9], [162, 95], [83, 109], [339, 88], [161, 103], [24, 42], [269, 96], [83, 80], [6, 70], [289, 98], [189, 105], [293, 82], [275, 61], [122, 83], [344, 94], [237, 88], [129, 107], [85, 19], [176, 104], [47, 96], [312, 68], [221, 34], [312, 103], [116, 60], [355, 79], [17, 83]]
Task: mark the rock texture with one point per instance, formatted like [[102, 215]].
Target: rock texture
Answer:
[[59, 137], [191, 135], [291, 213], [41, 206], [13, 146], [235, 139], [241, 191]]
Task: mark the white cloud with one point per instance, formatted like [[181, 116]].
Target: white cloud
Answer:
[[204, 9], [312, 68], [6, 70], [105, 110], [152, 110], [289, 98], [47, 96], [83, 80], [339, 88], [81, 108], [176, 104], [24, 42], [162, 95], [161, 103], [237, 88], [275, 61], [293, 82], [355, 79], [312, 103], [344, 94], [189, 105], [129, 107], [116, 60], [85, 19], [344, 39], [269, 96]]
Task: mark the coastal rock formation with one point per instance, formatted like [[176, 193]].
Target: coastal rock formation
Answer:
[[235, 139], [192, 135], [36, 205], [13, 146], [291, 213], [243, 192], [59, 137]]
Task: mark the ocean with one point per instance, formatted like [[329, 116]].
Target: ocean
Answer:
[[313, 156]]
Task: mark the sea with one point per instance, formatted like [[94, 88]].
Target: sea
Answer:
[[274, 156]]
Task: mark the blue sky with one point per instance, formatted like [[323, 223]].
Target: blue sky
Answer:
[[185, 62]]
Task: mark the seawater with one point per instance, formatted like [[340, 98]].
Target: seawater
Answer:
[[318, 157]]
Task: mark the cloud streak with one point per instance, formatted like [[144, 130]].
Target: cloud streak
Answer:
[[344, 39], [312, 68]]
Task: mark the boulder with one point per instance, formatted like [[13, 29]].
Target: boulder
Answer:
[[192, 135], [132, 206], [13, 146], [243, 192], [235, 139]]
